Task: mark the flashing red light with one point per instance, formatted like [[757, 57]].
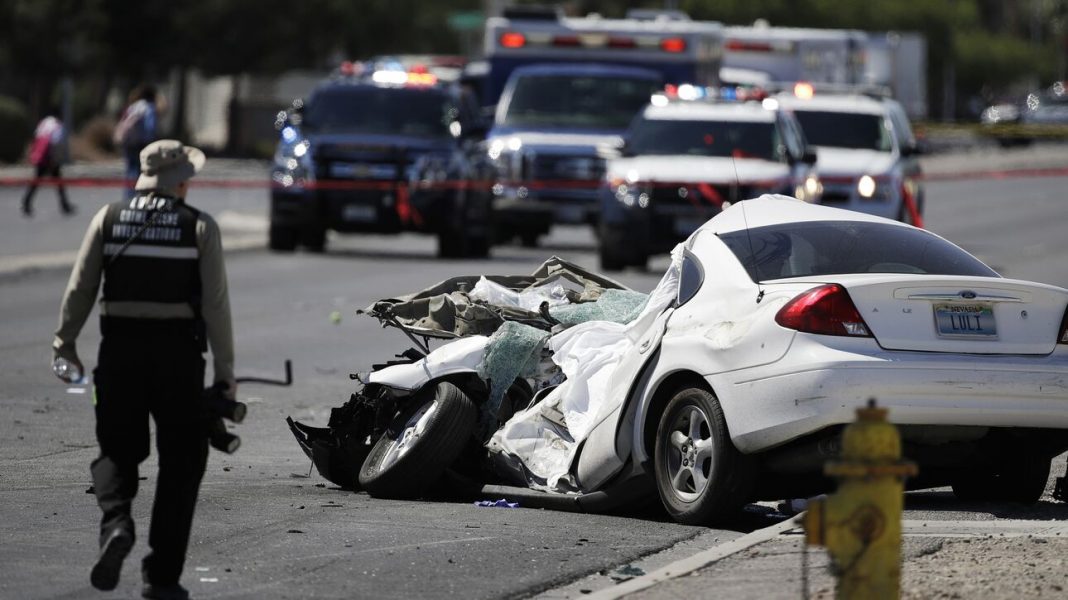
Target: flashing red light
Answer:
[[622, 42], [513, 39], [569, 41], [347, 68], [673, 45], [418, 68], [826, 310], [671, 90], [742, 46]]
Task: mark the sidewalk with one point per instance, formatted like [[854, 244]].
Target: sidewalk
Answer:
[[941, 559]]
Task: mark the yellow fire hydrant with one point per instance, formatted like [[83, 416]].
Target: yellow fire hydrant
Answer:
[[860, 524]]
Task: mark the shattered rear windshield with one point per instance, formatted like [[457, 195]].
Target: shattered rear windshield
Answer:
[[838, 247]]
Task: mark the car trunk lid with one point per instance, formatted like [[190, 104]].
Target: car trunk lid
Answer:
[[955, 314], [981, 315]]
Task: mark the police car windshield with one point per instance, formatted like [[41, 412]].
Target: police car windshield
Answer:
[[576, 101], [737, 139], [382, 111], [845, 130], [821, 248]]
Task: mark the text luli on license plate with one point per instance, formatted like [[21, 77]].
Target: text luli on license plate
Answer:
[[967, 320]]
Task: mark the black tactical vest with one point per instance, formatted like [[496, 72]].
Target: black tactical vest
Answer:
[[161, 264]]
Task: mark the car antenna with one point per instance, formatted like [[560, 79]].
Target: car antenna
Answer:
[[748, 235]]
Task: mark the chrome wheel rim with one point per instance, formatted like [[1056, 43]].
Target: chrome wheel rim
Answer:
[[689, 454], [413, 430]]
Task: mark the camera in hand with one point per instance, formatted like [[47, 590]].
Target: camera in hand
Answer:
[[220, 407]]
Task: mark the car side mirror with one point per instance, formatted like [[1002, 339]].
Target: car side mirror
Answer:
[[809, 156], [612, 149]]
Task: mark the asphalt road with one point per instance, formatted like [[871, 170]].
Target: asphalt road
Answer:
[[264, 528]]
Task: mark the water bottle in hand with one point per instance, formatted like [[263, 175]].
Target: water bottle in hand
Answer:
[[66, 370]]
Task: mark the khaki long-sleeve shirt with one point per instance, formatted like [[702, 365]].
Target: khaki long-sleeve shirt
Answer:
[[84, 286]]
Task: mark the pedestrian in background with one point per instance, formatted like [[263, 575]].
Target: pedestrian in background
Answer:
[[164, 299], [137, 128], [47, 155]]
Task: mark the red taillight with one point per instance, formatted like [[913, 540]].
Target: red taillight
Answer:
[[827, 310], [513, 39], [673, 45], [1062, 338]]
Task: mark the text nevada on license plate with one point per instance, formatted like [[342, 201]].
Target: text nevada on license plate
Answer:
[[965, 320]]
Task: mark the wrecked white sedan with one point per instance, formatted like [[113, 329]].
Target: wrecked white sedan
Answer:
[[729, 382]]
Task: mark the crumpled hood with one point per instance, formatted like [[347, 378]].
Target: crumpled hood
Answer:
[[849, 162], [697, 169]]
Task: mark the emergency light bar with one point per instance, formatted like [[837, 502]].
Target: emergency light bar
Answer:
[[689, 92], [515, 39]]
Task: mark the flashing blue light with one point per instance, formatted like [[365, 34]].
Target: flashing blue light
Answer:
[[289, 135], [729, 93]]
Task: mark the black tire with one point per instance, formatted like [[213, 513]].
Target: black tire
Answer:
[[423, 440], [281, 238], [457, 244], [712, 483], [611, 249], [1023, 482], [528, 238], [313, 238]]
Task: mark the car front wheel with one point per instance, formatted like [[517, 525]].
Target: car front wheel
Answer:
[[699, 472], [281, 238], [424, 438]]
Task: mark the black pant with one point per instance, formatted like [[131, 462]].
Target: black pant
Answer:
[[46, 170], [148, 367]]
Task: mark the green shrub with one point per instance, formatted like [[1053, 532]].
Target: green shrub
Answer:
[[15, 129]]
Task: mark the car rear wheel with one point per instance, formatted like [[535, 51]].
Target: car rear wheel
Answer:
[[282, 238], [699, 473], [1023, 482], [424, 438], [313, 238], [616, 252], [528, 238]]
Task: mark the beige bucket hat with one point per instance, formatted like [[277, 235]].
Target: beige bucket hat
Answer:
[[165, 164]]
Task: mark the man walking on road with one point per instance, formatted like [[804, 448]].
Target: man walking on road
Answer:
[[164, 298]]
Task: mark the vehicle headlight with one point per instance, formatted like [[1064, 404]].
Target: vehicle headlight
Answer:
[[506, 157], [866, 186], [809, 190], [630, 192], [293, 162]]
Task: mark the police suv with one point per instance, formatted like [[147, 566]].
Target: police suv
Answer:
[[682, 162], [867, 152], [382, 151], [563, 86]]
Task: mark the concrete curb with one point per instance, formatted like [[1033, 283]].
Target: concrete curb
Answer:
[[695, 562]]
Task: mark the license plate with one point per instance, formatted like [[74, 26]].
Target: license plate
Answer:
[[687, 226], [359, 212], [965, 320], [343, 170]]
